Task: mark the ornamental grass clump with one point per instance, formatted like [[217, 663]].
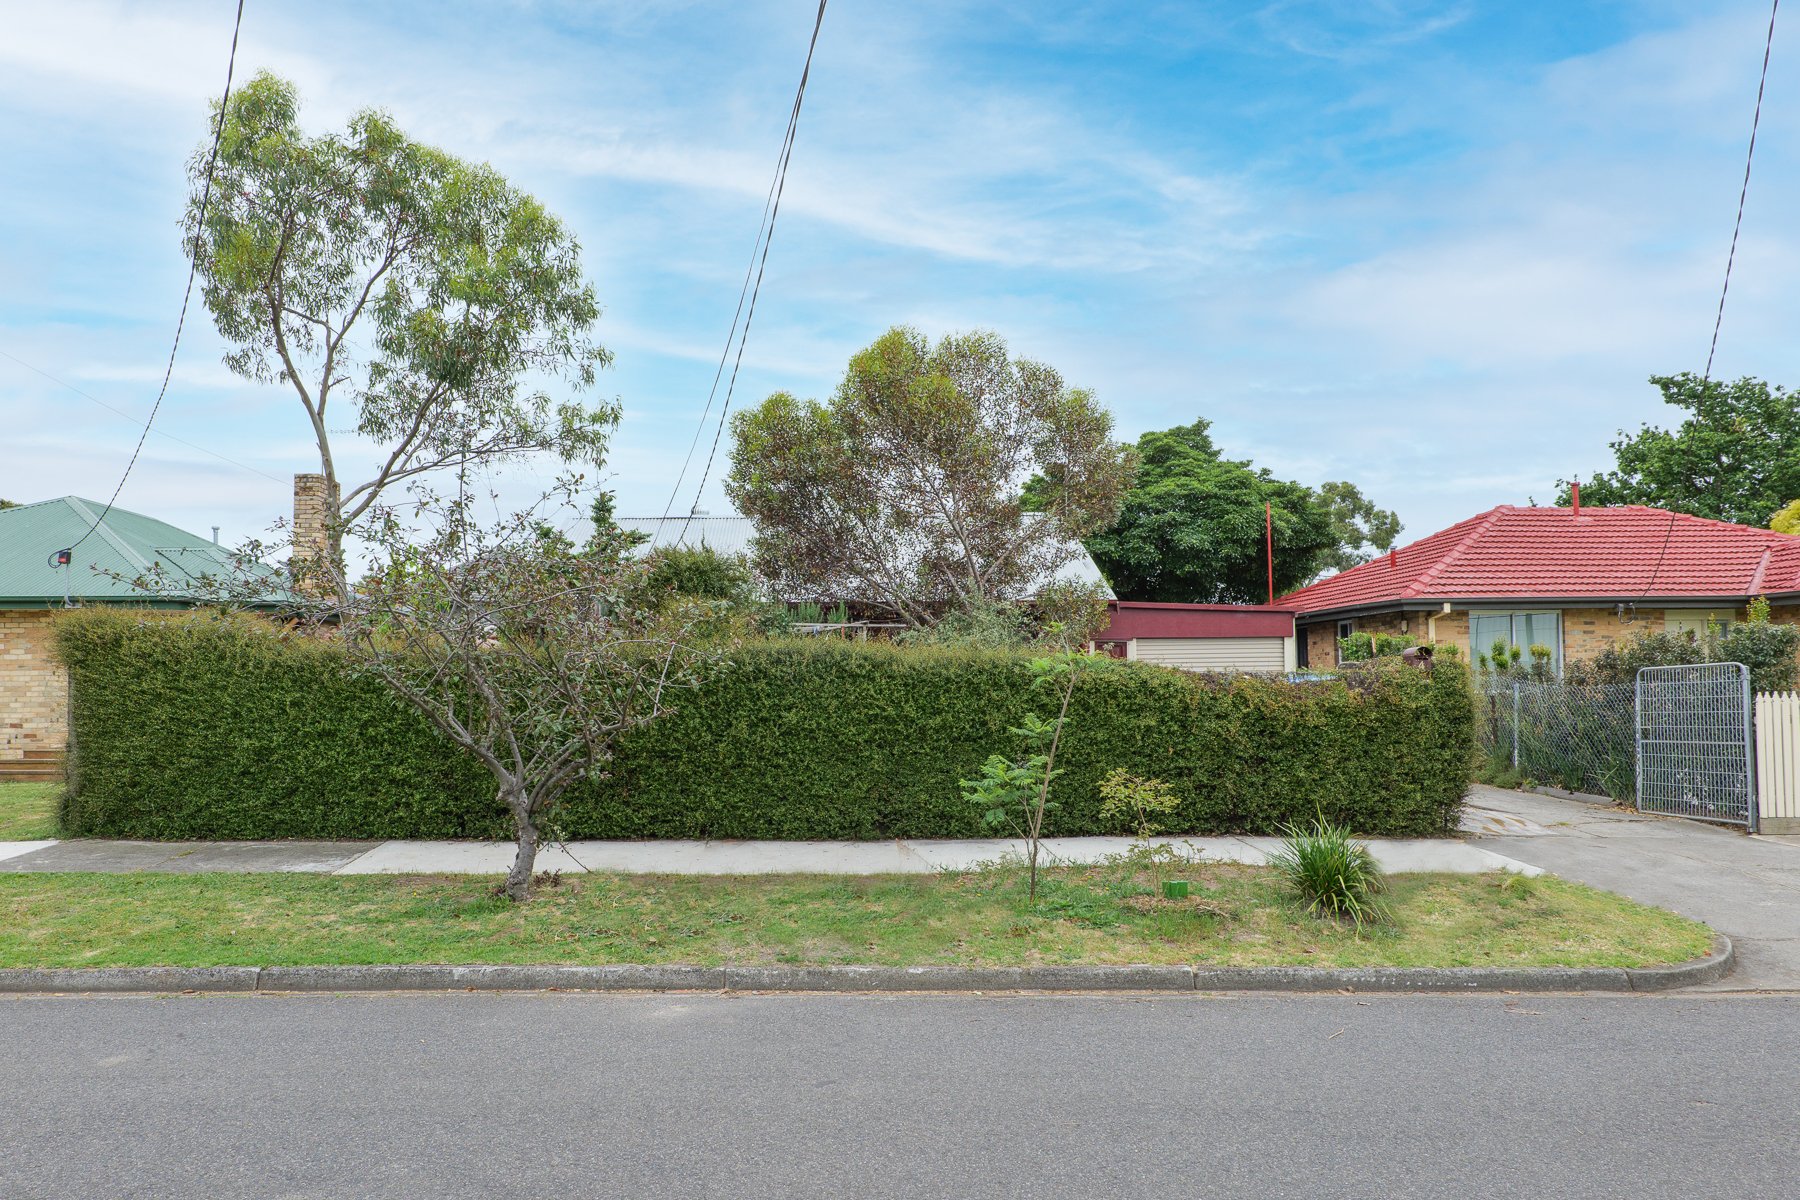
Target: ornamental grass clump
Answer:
[[1335, 874]]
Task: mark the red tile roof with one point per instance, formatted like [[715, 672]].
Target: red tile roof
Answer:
[[1625, 553]]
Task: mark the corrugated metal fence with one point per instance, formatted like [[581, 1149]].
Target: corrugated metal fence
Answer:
[[1778, 759]]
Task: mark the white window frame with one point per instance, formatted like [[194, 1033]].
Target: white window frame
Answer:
[[1344, 630]]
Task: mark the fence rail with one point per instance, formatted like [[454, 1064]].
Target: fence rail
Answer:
[[1694, 746]]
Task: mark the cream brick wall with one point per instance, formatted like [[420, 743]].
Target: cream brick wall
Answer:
[[34, 688]]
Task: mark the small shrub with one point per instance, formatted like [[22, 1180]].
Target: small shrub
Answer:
[[983, 625], [1361, 647], [1331, 871], [1128, 797]]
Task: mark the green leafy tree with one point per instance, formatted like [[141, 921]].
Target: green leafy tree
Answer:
[[1361, 529], [1190, 530], [607, 533], [904, 487], [1787, 520], [367, 270], [5, 503], [1736, 457]]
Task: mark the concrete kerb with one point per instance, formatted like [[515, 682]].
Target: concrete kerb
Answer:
[[650, 978]]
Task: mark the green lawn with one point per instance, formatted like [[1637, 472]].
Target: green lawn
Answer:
[[28, 811], [1235, 915]]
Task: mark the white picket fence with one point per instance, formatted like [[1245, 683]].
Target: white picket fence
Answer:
[[1778, 761]]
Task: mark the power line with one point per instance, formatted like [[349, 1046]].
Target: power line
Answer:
[[1744, 190], [121, 412], [188, 291], [766, 236], [1730, 258], [762, 227]]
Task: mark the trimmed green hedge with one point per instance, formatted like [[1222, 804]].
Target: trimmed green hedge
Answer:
[[198, 726]]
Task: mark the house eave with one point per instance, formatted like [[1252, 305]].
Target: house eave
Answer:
[[1467, 603]]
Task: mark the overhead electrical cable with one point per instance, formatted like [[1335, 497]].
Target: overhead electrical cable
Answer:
[[759, 261], [187, 292], [121, 412], [1730, 259]]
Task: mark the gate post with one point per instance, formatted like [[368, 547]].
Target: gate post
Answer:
[[1755, 822]]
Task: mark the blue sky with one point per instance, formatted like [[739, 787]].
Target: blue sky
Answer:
[[1430, 246]]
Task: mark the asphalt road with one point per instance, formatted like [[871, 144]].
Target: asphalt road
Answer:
[[533, 1095]]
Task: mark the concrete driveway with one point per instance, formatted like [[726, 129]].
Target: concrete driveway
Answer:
[[1746, 887]]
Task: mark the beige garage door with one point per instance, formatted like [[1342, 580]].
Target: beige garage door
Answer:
[[1213, 654]]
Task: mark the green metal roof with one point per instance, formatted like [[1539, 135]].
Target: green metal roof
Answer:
[[125, 543]]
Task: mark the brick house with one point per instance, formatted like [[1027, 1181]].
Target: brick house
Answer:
[[34, 726], [1573, 579]]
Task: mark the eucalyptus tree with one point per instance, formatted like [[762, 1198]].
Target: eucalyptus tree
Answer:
[[367, 271], [904, 487]]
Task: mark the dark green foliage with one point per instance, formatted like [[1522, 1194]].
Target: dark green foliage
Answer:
[[1735, 457], [1192, 526], [699, 572], [1331, 871], [1361, 529], [1361, 647], [203, 727]]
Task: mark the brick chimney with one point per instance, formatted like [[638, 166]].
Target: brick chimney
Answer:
[[311, 513]]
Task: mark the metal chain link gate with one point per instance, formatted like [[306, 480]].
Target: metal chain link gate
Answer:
[[1694, 748]]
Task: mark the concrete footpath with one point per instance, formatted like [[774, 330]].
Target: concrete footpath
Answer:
[[681, 858], [1745, 887]]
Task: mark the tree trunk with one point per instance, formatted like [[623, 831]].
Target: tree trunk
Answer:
[[518, 880]]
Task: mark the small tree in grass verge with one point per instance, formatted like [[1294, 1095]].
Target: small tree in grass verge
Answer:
[[521, 651], [1016, 792]]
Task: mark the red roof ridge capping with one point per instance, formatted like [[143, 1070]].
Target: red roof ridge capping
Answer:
[[1380, 570], [1482, 523], [1525, 553]]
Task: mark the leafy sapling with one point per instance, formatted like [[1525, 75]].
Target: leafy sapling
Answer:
[[1016, 792]]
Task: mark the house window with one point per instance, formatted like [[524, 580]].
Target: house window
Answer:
[[1521, 629], [1344, 630], [1696, 620]]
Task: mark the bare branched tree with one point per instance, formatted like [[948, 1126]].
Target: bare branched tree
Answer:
[[525, 652], [521, 650]]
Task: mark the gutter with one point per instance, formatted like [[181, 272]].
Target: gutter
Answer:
[[1508, 603]]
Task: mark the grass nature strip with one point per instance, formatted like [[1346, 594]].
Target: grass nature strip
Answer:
[[28, 811], [1111, 914]]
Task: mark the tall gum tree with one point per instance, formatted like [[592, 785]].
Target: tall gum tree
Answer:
[[903, 488], [365, 270]]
